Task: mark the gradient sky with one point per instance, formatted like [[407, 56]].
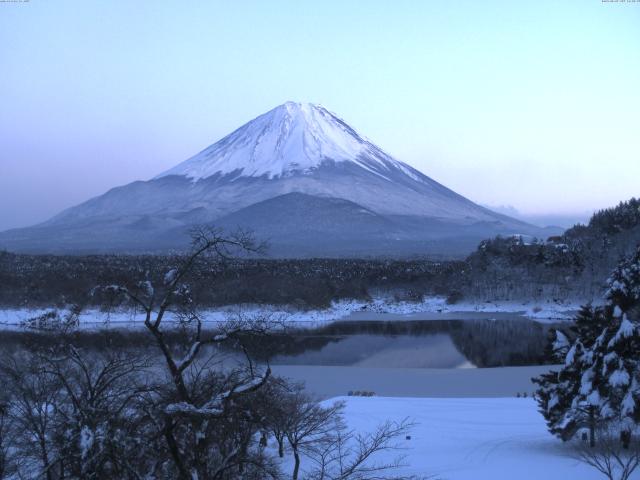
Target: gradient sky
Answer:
[[534, 104]]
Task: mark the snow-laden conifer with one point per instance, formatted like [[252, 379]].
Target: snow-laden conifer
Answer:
[[599, 375]]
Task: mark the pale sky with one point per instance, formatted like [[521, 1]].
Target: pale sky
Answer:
[[533, 104]]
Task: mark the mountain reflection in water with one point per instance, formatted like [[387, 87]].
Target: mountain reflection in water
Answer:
[[413, 344]]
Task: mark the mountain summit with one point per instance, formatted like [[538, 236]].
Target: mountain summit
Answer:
[[292, 138], [303, 147], [297, 175]]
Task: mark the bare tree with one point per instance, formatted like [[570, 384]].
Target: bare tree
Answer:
[[183, 412], [615, 457], [5, 442], [306, 424], [318, 433], [274, 416], [96, 425], [198, 409], [353, 456], [35, 397], [80, 410], [175, 296]]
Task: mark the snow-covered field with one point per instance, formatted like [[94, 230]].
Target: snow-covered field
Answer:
[[472, 438], [432, 308]]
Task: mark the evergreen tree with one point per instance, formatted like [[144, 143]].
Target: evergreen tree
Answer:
[[589, 323], [624, 286], [600, 378]]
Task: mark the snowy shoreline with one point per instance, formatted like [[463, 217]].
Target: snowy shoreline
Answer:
[[432, 308]]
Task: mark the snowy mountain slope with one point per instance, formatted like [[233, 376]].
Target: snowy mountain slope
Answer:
[[292, 149], [291, 138], [221, 195], [305, 148]]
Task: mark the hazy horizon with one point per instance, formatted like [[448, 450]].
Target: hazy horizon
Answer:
[[530, 105]]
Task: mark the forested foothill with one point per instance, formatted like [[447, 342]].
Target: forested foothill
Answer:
[[575, 264], [570, 266]]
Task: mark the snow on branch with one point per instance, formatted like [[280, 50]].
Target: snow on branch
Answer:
[[216, 406]]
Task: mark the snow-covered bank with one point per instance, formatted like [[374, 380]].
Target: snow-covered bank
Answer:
[[432, 308], [472, 439], [436, 308]]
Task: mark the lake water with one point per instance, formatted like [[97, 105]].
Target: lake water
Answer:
[[368, 350], [414, 344], [448, 358], [435, 358]]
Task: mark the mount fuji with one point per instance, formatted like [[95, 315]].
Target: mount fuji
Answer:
[[299, 177]]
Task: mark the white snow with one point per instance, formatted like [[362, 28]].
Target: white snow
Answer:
[[293, 137], [189, 409], [586, 382], [610, 358], [626, 330], [86, 440], [561, 342], [628, 403], [471, 439], [619, 378], [170, 276], [600, 339], [594, 398], [215, 406], [147, 287], [571, 355], [431, 308]]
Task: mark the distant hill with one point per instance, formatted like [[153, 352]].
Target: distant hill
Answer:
[[542, 220], [575, 263]]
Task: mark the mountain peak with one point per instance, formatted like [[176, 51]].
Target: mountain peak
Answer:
[[293, 106], [293, 138], [298, 175]]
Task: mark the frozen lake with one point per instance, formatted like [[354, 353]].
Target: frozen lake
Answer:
[[331, 381]]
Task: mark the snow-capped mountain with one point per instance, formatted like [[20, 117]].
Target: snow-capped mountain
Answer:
[[294, 138], [298, 175]]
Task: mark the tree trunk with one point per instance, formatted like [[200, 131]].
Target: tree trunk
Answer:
[[625, 438], [280, 447], [296, 467], [183, 474], [592, 427], [243, 455], [45, 459]]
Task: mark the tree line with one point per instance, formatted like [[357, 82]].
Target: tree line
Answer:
[[570, 266]]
